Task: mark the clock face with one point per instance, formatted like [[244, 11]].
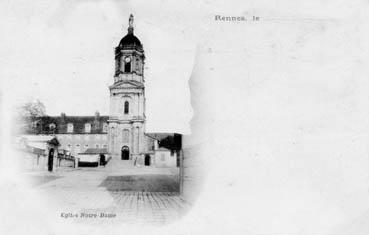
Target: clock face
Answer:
[[127, 59]]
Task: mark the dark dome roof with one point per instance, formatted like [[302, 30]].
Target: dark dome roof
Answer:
[[130, 41]]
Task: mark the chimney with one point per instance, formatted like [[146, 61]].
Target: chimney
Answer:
[[156, 145], [96, 124], [62, 117]]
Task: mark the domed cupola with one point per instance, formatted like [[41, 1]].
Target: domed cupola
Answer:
[[129, 57], [130, 41]]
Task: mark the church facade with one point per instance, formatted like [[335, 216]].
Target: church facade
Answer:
[[126, 135]]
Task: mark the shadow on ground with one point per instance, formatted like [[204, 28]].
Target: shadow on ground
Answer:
[[142, 183]]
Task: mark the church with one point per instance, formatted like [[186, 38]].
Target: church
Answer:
[[121, 135], [126, 134], [127, 138]]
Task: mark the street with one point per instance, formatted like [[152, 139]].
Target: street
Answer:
[[99, 195]]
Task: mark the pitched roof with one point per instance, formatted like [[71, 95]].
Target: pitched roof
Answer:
[[130, 83], [61, 124], [79, 122]]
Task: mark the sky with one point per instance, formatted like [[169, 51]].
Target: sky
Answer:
[[62, 53]]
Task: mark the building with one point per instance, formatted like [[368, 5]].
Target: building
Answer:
[[127, 118], [75, 133], [122, 133]]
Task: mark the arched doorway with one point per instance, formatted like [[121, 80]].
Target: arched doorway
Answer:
[[147, 160], [50, 161], [125, 153]]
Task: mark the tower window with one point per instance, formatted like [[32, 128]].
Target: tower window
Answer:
[[127, 65], [137, 65], [126, 107]]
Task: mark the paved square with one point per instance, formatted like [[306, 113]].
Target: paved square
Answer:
[[145, 197]]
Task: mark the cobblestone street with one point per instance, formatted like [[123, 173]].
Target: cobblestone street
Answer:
[[150, 195]]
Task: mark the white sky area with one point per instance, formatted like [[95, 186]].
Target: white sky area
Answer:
[[62, 53]]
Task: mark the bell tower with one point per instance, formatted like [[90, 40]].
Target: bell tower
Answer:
[[127, 99], [129, 57]]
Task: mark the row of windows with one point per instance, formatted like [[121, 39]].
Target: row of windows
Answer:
[[85, 137], [70, 127]]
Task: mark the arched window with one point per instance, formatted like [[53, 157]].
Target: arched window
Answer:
[[126, 107], [137, 65], [127, 66]]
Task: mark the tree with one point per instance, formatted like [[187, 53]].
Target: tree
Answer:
[[32, 109], [29, 116]]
